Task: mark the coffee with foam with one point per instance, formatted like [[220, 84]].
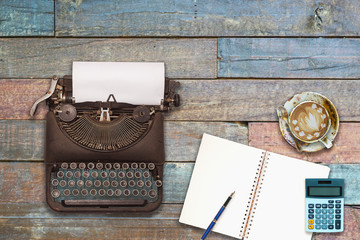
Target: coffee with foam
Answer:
[[309, 121]]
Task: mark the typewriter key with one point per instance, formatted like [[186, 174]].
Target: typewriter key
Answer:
[[146, 174], [80, 183], [75, 192], [60, 174], [148, 183], [123, 183], [140, 183], [66, 192], [142, 166], [132, 183], [151, 166], [92, 192], [86, 174], [55, 182], [121, 174], [84, 192], [64, 165], [110, 192], [134, 165], [114, 183], [103, 174], [126, 192], [152, 193], [116, 166], [88, 183], [82, 165], [118, 192], [62, 183], [77, 174], [158, 183], [55, 193], [125, 166], [108, 166], [143, 192], [69, 174], [97, 183], [138, 174], [135, 192], [112, 174], [106, 183], [94, 174], [102, 192], [73, 165], [99, 166], [91, 166], [71, 183], [129, 174]]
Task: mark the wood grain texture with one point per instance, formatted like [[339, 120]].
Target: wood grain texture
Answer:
[[24, 140], [289, 57], [27, 18], [208, 100], [207, 18], [38, 220], [346, 147], [45, 57], [23, 182]]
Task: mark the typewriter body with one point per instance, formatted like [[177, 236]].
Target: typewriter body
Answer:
[[104, 156]]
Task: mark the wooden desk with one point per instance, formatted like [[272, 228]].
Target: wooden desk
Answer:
[[236, 61]]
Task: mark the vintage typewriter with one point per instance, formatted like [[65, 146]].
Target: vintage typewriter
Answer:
[[104, 156]]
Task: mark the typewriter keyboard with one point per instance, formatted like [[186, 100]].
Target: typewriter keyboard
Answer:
[[98, 183]]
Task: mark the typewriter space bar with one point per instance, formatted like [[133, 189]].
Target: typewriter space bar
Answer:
[[104, 203]]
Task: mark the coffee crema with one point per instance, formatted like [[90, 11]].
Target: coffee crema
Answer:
[[309, 121]]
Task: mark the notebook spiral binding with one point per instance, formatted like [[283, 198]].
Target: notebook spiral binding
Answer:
[[254, 196]]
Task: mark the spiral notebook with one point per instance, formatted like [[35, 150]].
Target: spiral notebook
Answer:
[[269, 200]]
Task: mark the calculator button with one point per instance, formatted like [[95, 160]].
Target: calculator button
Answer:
[[324, 227], [318, 216], [311, 210], [337, 205], [331, 216], [318, 227], [324, 206], [311, 226], [331, 211], [331, 226], [331, 221], [311, 221], [337, 216], [318, 221], [338, 201], [318, 211], [311, 205], [337, 211], [331, 201], [337, 224], [324, 221], [331, 205], [324, 211], [324, 216], [311, 216], [318, 205]]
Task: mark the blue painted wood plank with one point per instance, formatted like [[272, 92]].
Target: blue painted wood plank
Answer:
[[289, 58], [207, 18], [27, 18]]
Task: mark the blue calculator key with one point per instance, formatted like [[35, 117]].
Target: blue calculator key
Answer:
[[331, 216], [331, 226], [318, 205], [337, 216], [324, 226], [311, 216], [337, 211], [331, 211], [311, 210], [337, 224], [331, 205], [311, 205], [338, 201], [324, 206], [324, 221], [331, 221], [331, 201], [324, 211], [324, 216], [318, 221], [318, 211], [337, 205], [318, 216], [318, 227]]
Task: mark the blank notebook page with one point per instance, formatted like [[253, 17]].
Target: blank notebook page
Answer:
[[221, 167], [280, 210]]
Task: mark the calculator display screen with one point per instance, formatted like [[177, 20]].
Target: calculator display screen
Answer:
[[325, 191]]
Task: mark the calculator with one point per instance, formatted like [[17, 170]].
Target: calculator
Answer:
[[324, 205]]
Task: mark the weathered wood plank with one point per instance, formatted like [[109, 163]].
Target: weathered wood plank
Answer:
[[23, 182], [44, 57], [24, 140], [207, 18], [44, 217], [289, 57], [208, 100], [27, 18], [346, 147]]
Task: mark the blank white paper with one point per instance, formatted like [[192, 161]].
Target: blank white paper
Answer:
[[130, 82]]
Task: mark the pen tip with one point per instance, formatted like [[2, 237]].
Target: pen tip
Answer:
[[232, 194]]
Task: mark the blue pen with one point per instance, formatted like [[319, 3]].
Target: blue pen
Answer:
[[208, 230]]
